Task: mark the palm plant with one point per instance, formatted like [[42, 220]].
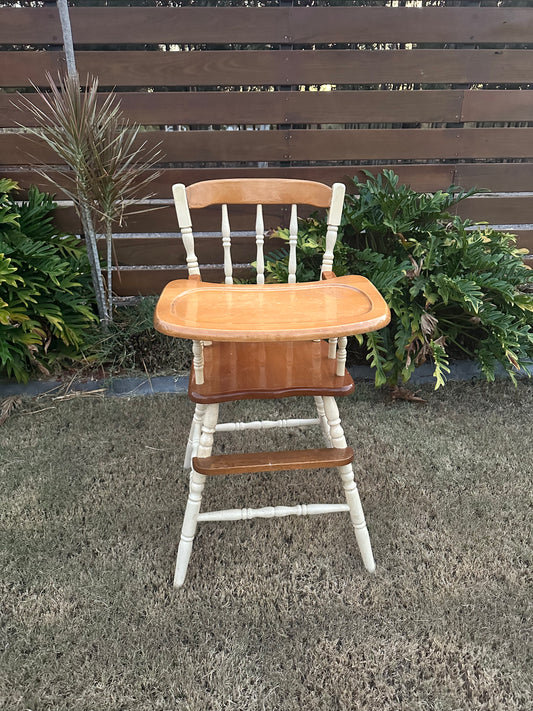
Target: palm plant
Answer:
[[105, 169]]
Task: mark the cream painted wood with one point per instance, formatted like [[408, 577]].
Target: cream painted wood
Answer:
[[332, 351], [260, 241], [341, 355], [334, 219], [293, 239], [198, 360], [226, 244], [350, 487], [265, 424], [323, 420], [194, 501], [194, 435], [272, 512], [185, 223]]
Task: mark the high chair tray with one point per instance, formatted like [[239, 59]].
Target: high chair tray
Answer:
[[343, 306]]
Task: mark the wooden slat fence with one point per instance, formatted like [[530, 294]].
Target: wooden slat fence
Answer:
[[439, 94]]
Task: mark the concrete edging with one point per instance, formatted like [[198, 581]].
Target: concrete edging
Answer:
[[132, 387]]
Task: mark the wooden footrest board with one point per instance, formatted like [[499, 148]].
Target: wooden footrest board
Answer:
[[273, 461]]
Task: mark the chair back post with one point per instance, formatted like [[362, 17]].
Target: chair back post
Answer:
[[185, 224], [334, 219]]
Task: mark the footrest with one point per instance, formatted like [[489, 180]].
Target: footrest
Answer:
[[273, 461]]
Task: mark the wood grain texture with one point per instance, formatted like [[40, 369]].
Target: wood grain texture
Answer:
[[273, 312], [257, 371], [511, 209], [427, 176], [304, 145], [264, 191], [255, 462], [267, 67], [311, 107], [95, 25]]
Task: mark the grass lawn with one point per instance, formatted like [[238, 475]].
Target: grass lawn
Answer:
[[275, 614]]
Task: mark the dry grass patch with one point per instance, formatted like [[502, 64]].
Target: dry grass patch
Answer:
[[274, 614]]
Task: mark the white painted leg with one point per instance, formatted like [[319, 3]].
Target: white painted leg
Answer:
[[319, 402], [194, 435], [192, 510], [350, 487]]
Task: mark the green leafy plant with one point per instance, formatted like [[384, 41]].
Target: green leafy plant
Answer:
[[45, 286], [453, 286]]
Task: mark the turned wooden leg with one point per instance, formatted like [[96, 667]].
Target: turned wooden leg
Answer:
[[319, 402], [350, 487], [194, 435], [196, 487]]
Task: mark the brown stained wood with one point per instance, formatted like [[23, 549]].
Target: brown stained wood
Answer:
[[20, 69], [290, 25], [30, 26], [252, 463], [312, 107], [150, 282], [256, 371], [497, 105], [169, 250], [304, 145], [512, 209], [267, 67], [271, 312], [260, 107], [260, 67], [524, 240], [132, 251], [496, 177], [422, 177], [265, 191]]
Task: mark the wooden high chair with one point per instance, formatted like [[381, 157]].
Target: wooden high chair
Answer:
[[266, 341]]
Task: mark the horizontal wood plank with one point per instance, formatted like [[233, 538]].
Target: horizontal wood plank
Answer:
[[268, 67], [99, 25], [279, 107], [310, 107], [148, 282], [421, 177], [131, 251], [495, 177], [250, 463], [305, 145], [513, 209]]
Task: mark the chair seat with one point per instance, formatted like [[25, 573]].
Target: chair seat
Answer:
[[250, 371]]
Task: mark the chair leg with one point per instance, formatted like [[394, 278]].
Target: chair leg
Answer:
[[196, 487], [319, 402], [350, 487], [194, 435]]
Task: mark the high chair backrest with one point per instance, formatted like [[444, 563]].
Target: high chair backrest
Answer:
[[259, 192]]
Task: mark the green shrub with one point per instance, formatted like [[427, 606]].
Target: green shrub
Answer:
[[45, 286], [452, 286]]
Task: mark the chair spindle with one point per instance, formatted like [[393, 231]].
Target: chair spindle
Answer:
[[226, 243], [259, 241], [293, 237], [198, 358], [341, 355], [185, 223]]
